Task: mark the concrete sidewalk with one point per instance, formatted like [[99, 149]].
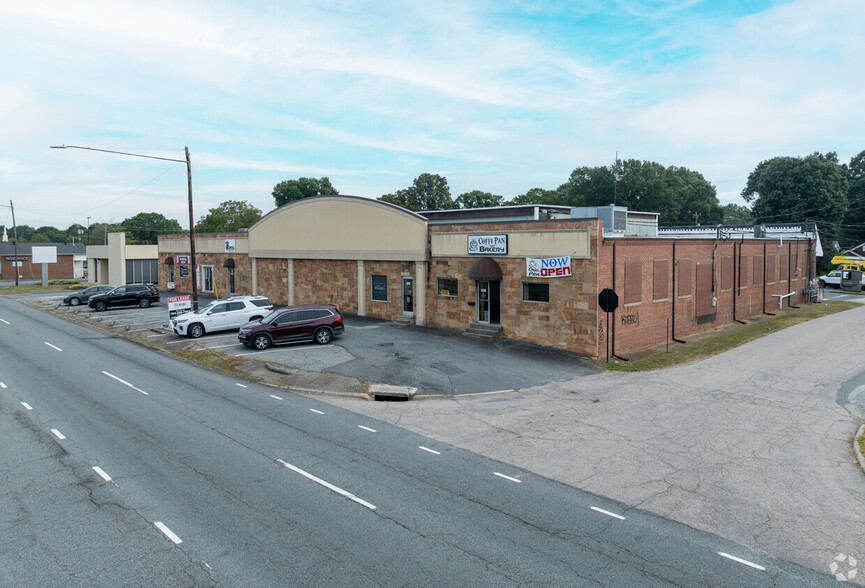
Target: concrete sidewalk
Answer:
[[754, 444]]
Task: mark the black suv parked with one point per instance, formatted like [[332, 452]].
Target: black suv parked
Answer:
[[311, 322], [141, 294]]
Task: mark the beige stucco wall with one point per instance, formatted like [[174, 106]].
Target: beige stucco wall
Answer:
[[112, 258], [340, 227], [576, 243], [211, 243]]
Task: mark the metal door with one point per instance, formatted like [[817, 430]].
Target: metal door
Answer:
[[483, 302], [407, 295]]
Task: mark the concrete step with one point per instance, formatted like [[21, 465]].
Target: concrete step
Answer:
[[404, 319], [483, 331]]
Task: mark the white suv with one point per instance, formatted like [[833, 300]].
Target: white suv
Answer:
[[221, 315]]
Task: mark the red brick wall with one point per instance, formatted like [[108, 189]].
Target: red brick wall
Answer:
[[64, 268], [649, 322]]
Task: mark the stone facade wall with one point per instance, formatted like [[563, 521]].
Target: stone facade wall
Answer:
[[394, 270], [273, 279], [242, 267], [318, 281]]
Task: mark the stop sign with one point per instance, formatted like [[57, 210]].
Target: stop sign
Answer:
[[608, 300]]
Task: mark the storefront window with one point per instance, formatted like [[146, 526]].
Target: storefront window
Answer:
[[534, 292], [447, 286], [379, 288]]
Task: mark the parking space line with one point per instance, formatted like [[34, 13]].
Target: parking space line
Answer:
[[2, 385], [608, 513], [508, 478], [327, 485], [316, 411], [4, 322], [367, 429], [167, 532], [27, 406], [276, 397], [285, 349], [742, 561], [52, 346], [239, 384], [102, 473], [433, 451], [58, 434]]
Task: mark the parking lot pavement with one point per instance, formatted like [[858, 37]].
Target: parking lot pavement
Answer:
[[434, 361]]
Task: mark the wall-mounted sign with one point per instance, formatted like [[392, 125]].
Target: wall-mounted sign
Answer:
[[182, 259], [488, 244], [12, 258], [229, 246], [184, 271], [549, 267]]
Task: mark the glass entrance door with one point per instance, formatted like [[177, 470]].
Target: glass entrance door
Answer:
[[483, 302], [407, 295], [208, 278]]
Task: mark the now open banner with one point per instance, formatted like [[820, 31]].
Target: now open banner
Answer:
[[548, 267]]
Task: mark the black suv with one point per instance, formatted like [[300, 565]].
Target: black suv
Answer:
[[310, 322], [141, 294]]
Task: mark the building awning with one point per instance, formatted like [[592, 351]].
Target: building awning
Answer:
[[228, 263], [486, 269], [169, 260]]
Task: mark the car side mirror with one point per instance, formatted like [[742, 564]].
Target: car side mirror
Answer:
[[209, 312]]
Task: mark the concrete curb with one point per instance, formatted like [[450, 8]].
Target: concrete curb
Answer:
[[860, 458]]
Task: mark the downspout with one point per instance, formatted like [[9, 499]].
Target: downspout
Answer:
[[764, 281], [613, 338], [673, 329], [737, 279], [790, 270]]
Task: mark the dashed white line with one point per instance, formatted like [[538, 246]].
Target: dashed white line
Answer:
[[167, 532], [508, 478], [58, 434], [367, 429], [277, 397], [327, 485], [52, 346], [2, 385], [102, 473], [239, 384], [316, 411], [125, 383], [742, 561], [27, 406], [608, 513], [4, 322], [433, 451]]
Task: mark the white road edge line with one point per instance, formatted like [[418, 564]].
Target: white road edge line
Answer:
[[277, 397], [52, 346], [433, 451], [4, 322], [58, 434], [327, 485], [125, 383], [27, 406], [239, 384], [367, 429], [608, 513], [742, 561], [102, 473], [167, 532], [316, 411], [508, 478]]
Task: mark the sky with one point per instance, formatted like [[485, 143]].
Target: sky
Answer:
[[499, 96]]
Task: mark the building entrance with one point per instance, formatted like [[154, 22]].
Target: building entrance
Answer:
[[489, 302], [407, 295]]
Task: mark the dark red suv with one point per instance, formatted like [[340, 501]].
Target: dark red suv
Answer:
[[311, 322]]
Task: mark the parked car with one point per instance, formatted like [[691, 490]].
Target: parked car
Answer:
[[85, 294], [833, 279], [310, 322], [141, 294], [221, 315]]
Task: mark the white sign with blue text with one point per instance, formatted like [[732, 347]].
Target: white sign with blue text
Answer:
[[549, 267]]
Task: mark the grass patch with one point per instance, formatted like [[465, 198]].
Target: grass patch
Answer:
[[53, 286], [214, 361], [714, 344], [861, 442]]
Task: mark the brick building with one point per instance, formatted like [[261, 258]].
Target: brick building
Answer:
[[70, 261], [535, 273]]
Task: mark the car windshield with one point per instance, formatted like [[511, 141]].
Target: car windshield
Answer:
[[205, 309], [270, 316]]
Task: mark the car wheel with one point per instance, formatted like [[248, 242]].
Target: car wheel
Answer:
[[323, 336], [100, 306], [74, 302], [261, 342], [195, 331], [144, 302], [822, 284]]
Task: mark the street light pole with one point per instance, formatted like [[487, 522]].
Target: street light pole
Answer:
[[189, 183]]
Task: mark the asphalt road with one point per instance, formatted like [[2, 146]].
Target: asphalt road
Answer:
[[203, 480]]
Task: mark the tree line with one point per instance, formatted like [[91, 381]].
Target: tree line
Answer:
[[817, 187]]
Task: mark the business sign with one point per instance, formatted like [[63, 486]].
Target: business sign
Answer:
[[182, 259], [488, 244], [184, 271], [178, 305], [44, 254], [230, 246], [549, 267]]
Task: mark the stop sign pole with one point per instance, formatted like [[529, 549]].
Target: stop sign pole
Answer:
[[608, 300]]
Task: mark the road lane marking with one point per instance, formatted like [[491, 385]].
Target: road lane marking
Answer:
[[433, 451], [608, 513], [27, 406], [167, 532], [367, 429], [4, 322], [742, 561], [277, 397], [239, 384], [327, 485], [2, 385], [102, 473], [125, 383], [58, 434], [52, 346], [316, 411], [508, 478]]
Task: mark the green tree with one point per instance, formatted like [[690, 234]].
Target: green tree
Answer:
[[228, 217], [536, 196], [852, 232], [796, 189], [477, 199], [736, 214], [589, 186], [427, 192], [145, 227], [46, 234], [291, 190]]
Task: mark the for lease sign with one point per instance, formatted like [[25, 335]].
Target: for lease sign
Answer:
[[179, 305], [549, 267]]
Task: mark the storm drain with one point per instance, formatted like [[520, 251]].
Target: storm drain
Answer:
[[386, 392]]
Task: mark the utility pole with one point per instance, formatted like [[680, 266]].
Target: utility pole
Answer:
[[88, 230], [15, 242]]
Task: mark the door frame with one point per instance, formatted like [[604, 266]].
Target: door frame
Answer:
[[404, 303]]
